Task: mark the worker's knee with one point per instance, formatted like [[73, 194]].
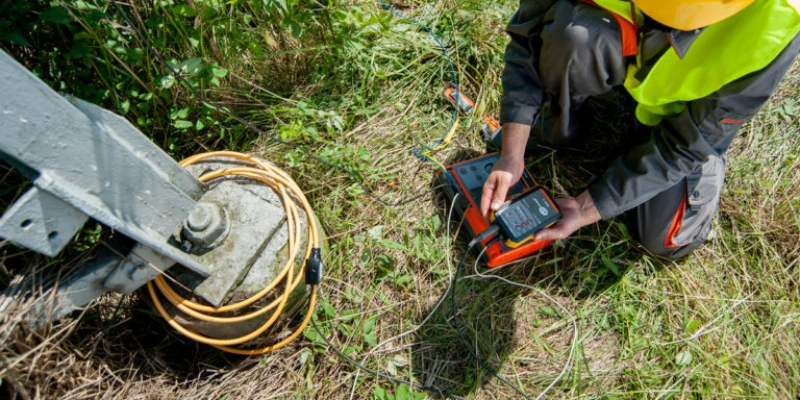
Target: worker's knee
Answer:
[[657, 246], [564, 48], [568, 39], [581, 50], [678, 220], [674, 234]]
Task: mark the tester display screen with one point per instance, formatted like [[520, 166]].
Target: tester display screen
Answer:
[[523, 216]]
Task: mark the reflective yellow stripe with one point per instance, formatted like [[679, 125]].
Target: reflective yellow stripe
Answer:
[[724, 52]]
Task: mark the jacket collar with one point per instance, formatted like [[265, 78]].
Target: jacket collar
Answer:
[[681, 41]]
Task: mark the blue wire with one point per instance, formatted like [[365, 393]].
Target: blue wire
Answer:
[[418, 150]]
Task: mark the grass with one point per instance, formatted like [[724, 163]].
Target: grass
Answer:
[[360, 88]]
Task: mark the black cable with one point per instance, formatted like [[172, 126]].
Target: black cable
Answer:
[[458, 329], [429, 389], [308, 154], [246, 123]]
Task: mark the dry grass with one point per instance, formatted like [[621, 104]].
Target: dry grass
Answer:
[[723, 323]]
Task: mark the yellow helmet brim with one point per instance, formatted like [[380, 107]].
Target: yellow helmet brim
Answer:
[[688, 15]]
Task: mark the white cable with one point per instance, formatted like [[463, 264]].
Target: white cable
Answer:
[[435, 308], [484, 276], [574, 323], [441, 299]]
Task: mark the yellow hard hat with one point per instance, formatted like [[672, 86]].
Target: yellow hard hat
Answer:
[[687, 15]]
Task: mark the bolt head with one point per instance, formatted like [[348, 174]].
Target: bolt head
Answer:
[[204, 226], [201, 216]]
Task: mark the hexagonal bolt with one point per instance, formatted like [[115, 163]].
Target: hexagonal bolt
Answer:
[[204, 226]]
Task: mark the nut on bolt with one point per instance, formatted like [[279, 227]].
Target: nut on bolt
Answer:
[[205, 225]]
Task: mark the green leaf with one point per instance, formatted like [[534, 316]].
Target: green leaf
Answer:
[[370, 339], [82, 5], [219, 72], [143, 107], [400, 360], [369, 325], [384, 261], [124, 107], [402, 279], [296, 28], [312, 335], [305, 355], [166, 81], [79, 49], [14, 38], [182, 124], [392, 245], [264, 362], [692, 326], [210, 13], [623, 229], [179, 114], [352, 351], [551, 311], [403, 393], [379, 392], [56, 15], [95, 16], [134, 55], [684, 358], [330, 311], [376, 232], [610, 264], [313, 132], [369, 331], [183, 10], [191, 66], [82, 36]]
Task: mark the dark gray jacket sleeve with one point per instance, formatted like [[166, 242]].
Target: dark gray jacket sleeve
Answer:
[[683, 142], [522, 88]]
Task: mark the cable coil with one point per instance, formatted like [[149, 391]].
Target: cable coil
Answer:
[[286, 189]]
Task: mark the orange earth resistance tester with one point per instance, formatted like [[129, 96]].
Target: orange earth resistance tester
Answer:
[[529, 209]]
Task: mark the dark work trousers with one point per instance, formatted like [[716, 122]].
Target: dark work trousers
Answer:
[[581, 56]]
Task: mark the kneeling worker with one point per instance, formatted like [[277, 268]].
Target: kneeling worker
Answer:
[[697, 69]]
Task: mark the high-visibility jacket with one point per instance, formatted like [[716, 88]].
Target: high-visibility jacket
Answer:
[[697, 87], [760, 31]]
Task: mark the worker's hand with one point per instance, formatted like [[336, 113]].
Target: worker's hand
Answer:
[[509, 167], [577, 213], [504, 175]]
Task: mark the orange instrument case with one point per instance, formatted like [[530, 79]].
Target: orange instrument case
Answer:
[[468, 178]]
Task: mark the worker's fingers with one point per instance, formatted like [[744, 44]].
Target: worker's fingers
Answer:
[[571, 221], [500, 190], [556, 232], [495, 191], [504, 175], [489, 189]]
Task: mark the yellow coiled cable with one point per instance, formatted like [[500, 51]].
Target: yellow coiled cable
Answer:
[[285, 186]]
